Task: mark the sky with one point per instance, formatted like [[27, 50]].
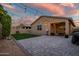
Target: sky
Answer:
[[28, 12]]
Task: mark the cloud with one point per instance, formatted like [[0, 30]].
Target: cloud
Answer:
[[53, 8], [28, 19], [74, 12], [68, 5], [7, 5], [24, 20]]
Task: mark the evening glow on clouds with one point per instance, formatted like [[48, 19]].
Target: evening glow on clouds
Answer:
[[27, 13]]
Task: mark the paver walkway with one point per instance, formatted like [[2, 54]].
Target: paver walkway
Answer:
[[50, 46], [10, 48]]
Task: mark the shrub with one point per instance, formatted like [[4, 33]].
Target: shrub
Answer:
[[6, 25], [5, 20]]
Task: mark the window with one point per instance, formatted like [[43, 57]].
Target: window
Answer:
[[26, 27], [23, 27], [29, 27], [39, 27]]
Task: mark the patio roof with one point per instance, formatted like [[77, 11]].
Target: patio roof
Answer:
[[57, 17]]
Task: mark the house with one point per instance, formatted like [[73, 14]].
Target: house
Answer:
[[52, 25], [21, 28]]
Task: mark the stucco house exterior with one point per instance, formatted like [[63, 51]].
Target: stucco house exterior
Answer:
[[52, 25], [21, 28]]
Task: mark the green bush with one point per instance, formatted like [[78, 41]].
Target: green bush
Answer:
[[6, 25], [5, 20]]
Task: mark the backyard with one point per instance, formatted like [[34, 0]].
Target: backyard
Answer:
[[49, 46], [19, 36]]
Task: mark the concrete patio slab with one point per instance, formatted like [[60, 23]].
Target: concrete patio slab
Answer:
[[50, 46]]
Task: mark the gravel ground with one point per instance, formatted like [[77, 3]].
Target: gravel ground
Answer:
[[50, 46]]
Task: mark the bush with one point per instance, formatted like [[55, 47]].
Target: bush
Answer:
[[5, 20], [6, 25]]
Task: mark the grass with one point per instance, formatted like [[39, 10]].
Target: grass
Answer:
[[20, 36]]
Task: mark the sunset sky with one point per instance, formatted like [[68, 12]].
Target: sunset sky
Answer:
[[28, 12]]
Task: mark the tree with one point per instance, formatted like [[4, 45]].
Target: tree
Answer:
[[1, 9], [5, 20]]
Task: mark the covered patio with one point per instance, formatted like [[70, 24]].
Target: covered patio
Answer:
[[60, 28]]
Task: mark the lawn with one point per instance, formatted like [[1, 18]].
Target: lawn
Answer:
[[20, 36]]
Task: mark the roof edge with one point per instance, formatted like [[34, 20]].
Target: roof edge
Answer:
[[69, 18]]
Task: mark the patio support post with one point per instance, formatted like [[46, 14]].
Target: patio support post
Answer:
[[66, 29], [55, 29], [49, 29]]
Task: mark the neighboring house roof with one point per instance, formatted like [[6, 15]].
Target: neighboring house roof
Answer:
[[68, 18], [22, 25]]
